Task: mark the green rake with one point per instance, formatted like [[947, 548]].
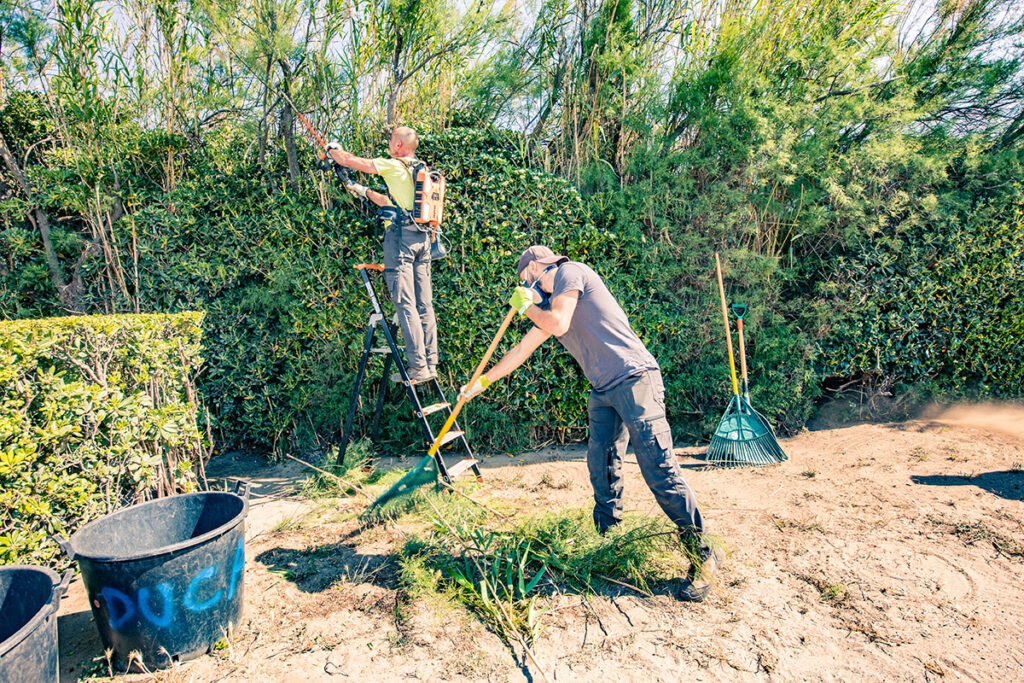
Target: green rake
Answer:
[[744, 437], [396, 499], [399, 499]]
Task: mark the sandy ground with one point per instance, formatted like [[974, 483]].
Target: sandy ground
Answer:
[[878, 552]]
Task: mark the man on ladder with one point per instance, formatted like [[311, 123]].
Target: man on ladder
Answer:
[[627, 400], [406, 248]]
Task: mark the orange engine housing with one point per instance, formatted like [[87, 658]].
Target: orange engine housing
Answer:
[[428, 204]]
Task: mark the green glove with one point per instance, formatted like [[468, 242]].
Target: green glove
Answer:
[[466, 393], [521, 300]]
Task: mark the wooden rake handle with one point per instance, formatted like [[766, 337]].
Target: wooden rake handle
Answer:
[[728, 333], [476, 375]]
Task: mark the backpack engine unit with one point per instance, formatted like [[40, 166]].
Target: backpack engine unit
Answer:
[[428, 194]]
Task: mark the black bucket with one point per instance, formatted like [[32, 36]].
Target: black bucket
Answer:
[[164, 578], [29, 597]]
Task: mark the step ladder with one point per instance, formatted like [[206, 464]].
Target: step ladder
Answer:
[[455, 438]]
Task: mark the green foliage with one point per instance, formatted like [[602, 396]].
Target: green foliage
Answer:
[[501, 573], [357, 459], [939, 306], [286, 310], [841, 167], [96, 412]]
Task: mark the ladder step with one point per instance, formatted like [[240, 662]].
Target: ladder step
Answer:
[[429, 410], [449, 437], [460, 467], [384, 349]]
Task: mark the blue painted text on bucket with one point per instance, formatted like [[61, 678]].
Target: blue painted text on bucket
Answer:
[[158, 606]]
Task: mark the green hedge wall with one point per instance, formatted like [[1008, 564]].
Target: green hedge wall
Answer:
[[96, 412], [285, 310], [939, 306]]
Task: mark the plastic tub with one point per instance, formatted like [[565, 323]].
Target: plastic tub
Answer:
[[164, 578], [29, 598]]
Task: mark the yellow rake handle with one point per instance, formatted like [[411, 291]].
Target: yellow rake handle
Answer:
[[476, 375], [728, 334]]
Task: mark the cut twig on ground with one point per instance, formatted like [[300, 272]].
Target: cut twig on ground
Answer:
[[473, 500], [331, 474]]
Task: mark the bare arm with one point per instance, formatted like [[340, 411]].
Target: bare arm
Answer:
[[349, 160], [518, 355], [378, 198], [556, 320]]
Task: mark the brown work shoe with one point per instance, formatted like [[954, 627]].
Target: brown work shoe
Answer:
[[710, 560], [697, 584], [416, 375]]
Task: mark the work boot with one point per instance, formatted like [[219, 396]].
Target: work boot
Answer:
[[416, 375], [693, 591], [697, 584], [711, 558]]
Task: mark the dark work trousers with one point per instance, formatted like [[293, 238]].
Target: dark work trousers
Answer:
[[634, 412], [407, 274]]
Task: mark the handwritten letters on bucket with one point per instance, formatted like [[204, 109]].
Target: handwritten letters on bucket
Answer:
[[159, 605]]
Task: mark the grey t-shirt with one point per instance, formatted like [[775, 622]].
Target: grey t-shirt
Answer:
[[599, 336]]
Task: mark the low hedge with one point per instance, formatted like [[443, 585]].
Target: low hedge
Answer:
[[96, 412]]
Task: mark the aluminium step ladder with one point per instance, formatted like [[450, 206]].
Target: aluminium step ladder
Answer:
[[392, 353]]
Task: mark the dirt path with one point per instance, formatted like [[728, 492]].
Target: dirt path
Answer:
[[878, 552]]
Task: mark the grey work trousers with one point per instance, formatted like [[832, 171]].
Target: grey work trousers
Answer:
[[634, 412], [407, 274]]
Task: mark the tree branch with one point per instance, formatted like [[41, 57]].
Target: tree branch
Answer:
[[849, 91], [40, 219]]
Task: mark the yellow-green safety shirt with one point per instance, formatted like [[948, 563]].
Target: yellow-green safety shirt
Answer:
[[398, 179]]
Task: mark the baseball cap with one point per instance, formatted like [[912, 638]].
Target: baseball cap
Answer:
[[540, 254]]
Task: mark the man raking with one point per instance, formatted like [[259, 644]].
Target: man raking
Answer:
[[627, 398]]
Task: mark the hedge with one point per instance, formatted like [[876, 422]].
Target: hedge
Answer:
[[96, 412], [938, 306], [285, 311]]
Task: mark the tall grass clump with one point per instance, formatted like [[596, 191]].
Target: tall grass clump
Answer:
[[502, 574]]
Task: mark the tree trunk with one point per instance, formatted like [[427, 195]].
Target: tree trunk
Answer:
[[396, 81], [1013, 132], [556, 92], [392, 102], [262, 156], [3, 93], [288, 127], [42, 223]]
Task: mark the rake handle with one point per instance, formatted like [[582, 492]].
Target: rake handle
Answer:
[[743, 360], [476, 375], [728, 333]]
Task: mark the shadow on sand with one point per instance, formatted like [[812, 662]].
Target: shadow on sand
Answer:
[[1007, 484]]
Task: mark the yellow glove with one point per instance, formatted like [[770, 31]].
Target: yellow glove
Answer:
[[466, 393], [521, 300]]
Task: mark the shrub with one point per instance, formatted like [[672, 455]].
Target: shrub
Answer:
[[96, 412], [285, 311], [939, 306]]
